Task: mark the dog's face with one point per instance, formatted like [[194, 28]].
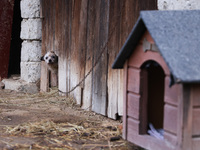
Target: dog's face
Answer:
[[50, 58]]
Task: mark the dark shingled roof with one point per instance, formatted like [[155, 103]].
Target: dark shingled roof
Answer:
[[177, 36]]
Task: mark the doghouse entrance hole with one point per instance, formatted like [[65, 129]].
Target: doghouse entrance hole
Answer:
[[152, 96]]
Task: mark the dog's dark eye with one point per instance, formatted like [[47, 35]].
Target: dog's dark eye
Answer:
[[46, 57], [53, 57]]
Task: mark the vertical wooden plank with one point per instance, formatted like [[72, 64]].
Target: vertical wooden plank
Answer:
[[62, 62], [113, 49], [58, 25], [99, 99], [96, 101], [196, 143], [185, 118], [51, 21], [44, 79], [87, 93], [125, 102], [53, 76], [85, 102], [170, 119], [75, 64], [68, 40]]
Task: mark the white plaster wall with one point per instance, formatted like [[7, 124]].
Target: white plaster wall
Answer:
[[178, 4]]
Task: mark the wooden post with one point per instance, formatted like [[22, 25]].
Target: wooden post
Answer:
[[125, 102], [44, 81], [185, 114]]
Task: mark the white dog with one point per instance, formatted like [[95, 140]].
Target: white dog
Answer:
[[52, 60]]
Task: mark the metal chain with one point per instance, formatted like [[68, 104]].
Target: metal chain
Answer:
[[98, 58]]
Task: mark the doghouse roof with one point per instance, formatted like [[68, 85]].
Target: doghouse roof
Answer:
[[177, 36]]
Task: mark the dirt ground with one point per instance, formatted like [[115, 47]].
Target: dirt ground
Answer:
[[50, 121]]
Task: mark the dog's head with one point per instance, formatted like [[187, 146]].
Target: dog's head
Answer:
[[50, 58]]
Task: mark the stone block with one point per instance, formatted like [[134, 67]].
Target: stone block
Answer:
[[31, 51], [30, 8], [178, 4], [31, 29], [30, 71], [22, 86]]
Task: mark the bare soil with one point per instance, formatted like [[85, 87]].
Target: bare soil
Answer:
[[50, 121]]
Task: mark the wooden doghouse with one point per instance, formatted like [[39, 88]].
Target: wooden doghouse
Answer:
[[161, 62]]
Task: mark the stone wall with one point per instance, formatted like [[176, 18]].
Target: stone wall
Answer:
[[31, 34], [178, 4]]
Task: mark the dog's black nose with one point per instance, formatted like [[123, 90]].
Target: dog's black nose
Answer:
[[50, 61]]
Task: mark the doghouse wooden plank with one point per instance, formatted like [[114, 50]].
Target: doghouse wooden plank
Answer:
[[114, 98], [150, 143], [185, 116], [170, 118], [172, 138], [196, 143], [171, 93], [195, 93], [133, 105], [133, 80], [125, 103], [132, 127], [99, 97], [119, 93], [196, 122]]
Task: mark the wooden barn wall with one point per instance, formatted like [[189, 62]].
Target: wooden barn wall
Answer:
[[78, 30]]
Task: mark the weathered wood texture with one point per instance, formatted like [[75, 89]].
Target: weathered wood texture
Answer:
[[78, 30]]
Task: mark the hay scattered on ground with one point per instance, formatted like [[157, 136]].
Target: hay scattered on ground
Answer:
[[50, 98], [87, 131], [62, 129], [66, 134]]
